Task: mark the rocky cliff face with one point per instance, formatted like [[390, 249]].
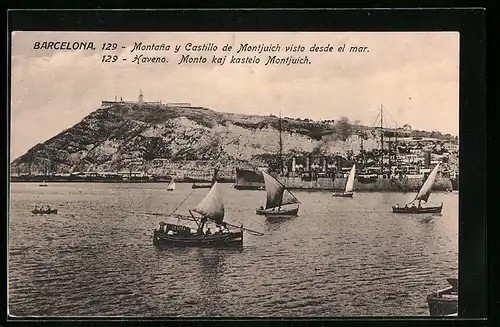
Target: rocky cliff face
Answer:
[[158, 139]]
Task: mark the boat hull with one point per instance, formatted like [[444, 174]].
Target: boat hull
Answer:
[[444, 302], [410, 210], [277, 213], [342, 195], [201, 186], [231, 239], [249, 187], [439, 306], [44, 212]]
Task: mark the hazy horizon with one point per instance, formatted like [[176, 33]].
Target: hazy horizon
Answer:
[[413, 75]]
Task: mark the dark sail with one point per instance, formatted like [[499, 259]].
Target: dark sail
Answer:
[[276, 193]]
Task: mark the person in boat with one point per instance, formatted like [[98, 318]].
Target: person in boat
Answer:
[[406, 206], [200, 227], [419, 204], [208, 232], [397, 205], [261, 208], [36, 208], [413, 206], [225, 228]]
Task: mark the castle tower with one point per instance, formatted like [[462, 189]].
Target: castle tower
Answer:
[[141, 97]]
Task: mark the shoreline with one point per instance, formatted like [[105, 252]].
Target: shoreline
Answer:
[[240, 188]]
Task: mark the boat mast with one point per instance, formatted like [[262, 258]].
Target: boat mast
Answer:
[[390, 162], [281, 146]]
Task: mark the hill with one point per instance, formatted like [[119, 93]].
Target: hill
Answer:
[[157, 139]]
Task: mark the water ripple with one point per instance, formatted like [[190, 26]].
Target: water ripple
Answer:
[[338, 258]]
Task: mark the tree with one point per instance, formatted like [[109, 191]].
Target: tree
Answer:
[[344, 128]]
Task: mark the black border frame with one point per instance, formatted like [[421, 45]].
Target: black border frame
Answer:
[[469, 22]]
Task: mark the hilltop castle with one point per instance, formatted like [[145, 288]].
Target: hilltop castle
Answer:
[[140, 100]]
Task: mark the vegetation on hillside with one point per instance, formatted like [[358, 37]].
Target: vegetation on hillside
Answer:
[[112, 136]]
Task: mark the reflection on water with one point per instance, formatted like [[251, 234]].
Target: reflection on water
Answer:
[[339, 257]]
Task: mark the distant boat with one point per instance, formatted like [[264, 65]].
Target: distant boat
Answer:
[[349, 186], [201, 185], [43, 184], [444, 302], [214, 179], [44, 211], [171, 185], [211, 207], [277, 197], [422, 195]]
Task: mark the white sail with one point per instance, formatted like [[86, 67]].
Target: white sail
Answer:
[[349, 186], [171, 185], [426, 189], [212, 205], [277, 194]]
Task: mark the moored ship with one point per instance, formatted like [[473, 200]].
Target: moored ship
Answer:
[[388, 169], [375, 183], [249, 179]]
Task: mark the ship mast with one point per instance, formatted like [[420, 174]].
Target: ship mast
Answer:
[[281, 146]]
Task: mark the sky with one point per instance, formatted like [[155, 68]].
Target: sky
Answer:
[[413, 75]]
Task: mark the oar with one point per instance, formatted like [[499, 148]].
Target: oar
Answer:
[[246, 229], [168, 215], [154, 214]]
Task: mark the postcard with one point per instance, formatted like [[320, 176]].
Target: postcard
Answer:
[[234, 174]]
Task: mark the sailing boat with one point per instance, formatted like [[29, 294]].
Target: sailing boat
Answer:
[[211, 207], [349, 186], [171, 185], [422, 195], [277, 197]]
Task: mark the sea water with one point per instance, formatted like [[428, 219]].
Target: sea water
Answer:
[[340, 257]]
